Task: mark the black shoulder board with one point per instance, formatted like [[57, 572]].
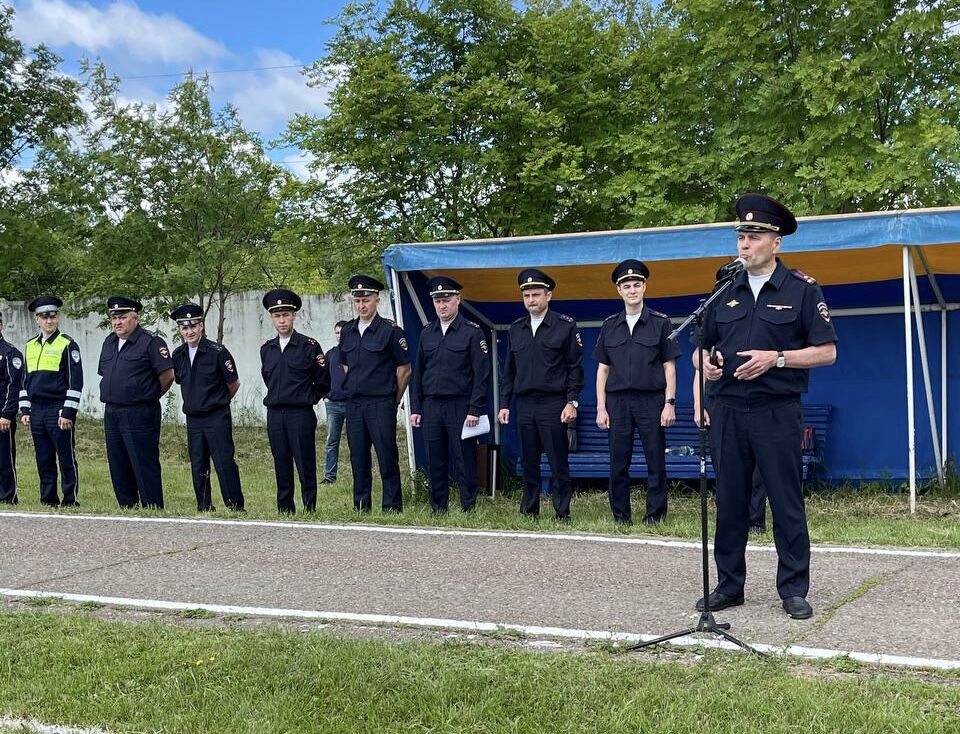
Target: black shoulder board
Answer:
[[180, 348], [800, 275], [310, 340], [216, 347], [67, 337], [518, 321], [611, 317], [565, 317], [390, 321], [152, 333], [468, 322], [657, 313]]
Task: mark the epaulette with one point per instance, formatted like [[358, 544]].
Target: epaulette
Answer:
[[657, 313], [564, 317], [611, 317], [180, 348], [310, 340], [468, 322], [152, 333], [389, 321], [519, 321], [800, 275], [214, 346], [66, 336]]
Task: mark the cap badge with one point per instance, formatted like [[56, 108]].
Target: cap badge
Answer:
[[749, 216], [630, 271]]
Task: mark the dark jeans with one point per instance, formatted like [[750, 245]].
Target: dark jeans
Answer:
[[336, 415]]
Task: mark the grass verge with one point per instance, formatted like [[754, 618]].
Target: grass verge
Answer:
[[843, 516], [74, 669]]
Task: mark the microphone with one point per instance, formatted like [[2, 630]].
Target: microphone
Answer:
[[731, 269]]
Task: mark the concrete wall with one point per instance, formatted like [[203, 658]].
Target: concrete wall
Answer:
[[247, 325]]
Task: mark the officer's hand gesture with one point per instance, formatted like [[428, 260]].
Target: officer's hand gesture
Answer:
[[758, 362], [504, 416], [603, 419], [415, 420], [712, 365], [668, 415]]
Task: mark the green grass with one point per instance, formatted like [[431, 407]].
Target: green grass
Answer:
[[843, 516], [155, 676]]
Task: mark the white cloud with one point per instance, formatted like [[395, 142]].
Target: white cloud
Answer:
[[299, 164], [267, 99], [120, 27]]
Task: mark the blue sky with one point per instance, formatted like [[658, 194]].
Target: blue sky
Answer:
[[158, 39]]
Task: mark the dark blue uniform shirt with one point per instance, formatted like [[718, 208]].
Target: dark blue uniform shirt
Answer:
[[297, 376], [11, 379], [130, 375], [636, 360], [337, 376], [548, 362], [203, 384], [789, 313], [451, 365], [372, 359]]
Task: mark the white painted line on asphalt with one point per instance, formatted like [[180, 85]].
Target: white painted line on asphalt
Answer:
[[467, 533], [32, 725], [476, 626]]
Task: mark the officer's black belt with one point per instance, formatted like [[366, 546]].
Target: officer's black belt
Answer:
[[757, 402]]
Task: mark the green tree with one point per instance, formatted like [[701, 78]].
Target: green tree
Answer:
[[183, 201], [38, 108]]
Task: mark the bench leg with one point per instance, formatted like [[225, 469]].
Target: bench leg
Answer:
[[545, 486]]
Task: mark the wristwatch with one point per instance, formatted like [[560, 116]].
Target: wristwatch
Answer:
[[574, 403], [671, 401], [781, 360]]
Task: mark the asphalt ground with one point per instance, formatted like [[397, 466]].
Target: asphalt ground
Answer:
[[870, 601]]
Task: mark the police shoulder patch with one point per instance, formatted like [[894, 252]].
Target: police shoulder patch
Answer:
[[800, 275], [483, 346], [16, 362], [75, 355], [164, 352]]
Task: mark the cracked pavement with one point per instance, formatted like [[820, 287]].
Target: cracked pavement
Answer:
[[897, 604]]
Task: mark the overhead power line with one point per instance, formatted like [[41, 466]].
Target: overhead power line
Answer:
[[213, 71]]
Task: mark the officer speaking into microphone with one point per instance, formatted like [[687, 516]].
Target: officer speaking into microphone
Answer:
[[636, 391], [295, 373], [50, 400], [767, 331], [208, 380], [449, 391], [374, 353], [544, 371]]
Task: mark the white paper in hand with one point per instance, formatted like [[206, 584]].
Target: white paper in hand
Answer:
[[478, 430]]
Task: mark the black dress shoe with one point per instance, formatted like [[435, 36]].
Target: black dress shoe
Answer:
[[720, 601], [797, 607]]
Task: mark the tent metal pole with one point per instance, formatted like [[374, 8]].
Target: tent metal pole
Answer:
[[414, 300], [398, 316], [908, 344], [941, 301], [495, 375], [925, 367]]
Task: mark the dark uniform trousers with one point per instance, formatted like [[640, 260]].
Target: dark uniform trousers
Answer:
[[372, 421], [8, 465], [768, 438], [292, 433], [133, 453], [443, 420], [211, 435], [541, 431], [629, 411], [52, 444]]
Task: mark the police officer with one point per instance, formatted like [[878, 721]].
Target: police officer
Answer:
[[768, 330], [50, 400], [449, 391], [11, 383], [137, 371], [295, 372], [374, 352], [543, 370], [208, 380], [636, 390]]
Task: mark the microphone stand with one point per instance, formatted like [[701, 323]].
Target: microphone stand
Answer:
[[706, 623]]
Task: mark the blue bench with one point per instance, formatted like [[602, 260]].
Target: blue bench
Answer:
[[591, 460]]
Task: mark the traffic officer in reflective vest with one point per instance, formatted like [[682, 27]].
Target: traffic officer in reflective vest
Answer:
[[295, 372], [137, 371], [11, 383], [448, 392], [208, 380], [768, 329], [50, 400], [636, 390], [374, 353], [543, 370]]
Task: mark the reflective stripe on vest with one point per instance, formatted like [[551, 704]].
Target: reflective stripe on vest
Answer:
[[46, 358]]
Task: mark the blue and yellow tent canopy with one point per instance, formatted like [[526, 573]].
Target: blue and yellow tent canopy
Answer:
[[857, 258]]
